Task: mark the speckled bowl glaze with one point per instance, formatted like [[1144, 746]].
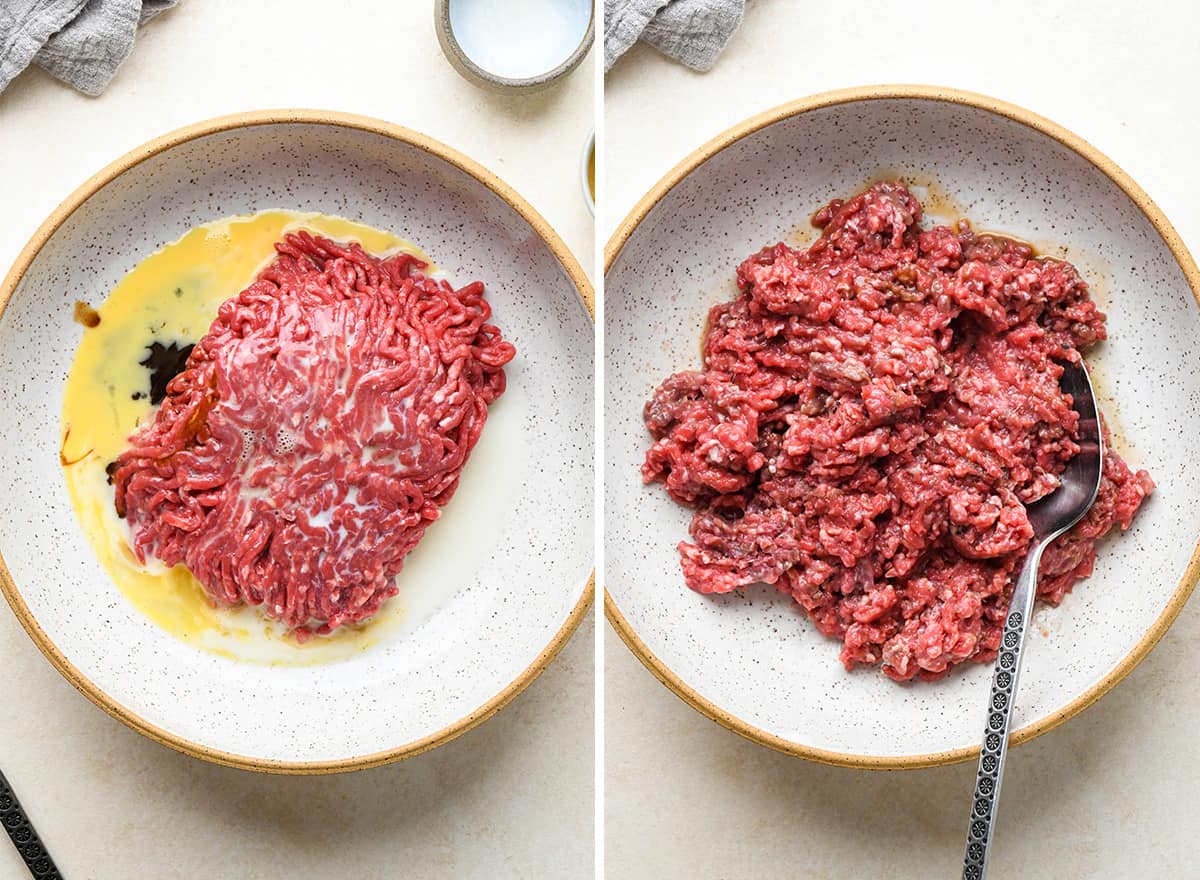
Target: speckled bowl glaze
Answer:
[[752, 661], [493, 632]]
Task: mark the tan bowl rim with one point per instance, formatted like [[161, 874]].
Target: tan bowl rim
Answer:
[[1169, 236], [288, 117], [463, 63]]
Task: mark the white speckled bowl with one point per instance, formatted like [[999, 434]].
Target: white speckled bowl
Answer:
[[753, 662], [493, 632]]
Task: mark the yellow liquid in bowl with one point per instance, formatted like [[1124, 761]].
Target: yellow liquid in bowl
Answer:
[[592, 172], [173, 296]]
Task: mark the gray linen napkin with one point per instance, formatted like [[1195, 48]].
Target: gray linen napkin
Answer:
[[691, 31], [81, 42]]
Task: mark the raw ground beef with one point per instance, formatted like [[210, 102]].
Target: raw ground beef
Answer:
[[316, 431], [873, 414]]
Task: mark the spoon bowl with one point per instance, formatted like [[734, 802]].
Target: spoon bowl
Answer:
[[1055, 513]]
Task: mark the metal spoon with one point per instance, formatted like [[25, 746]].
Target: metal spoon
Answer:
[[1050, 517]]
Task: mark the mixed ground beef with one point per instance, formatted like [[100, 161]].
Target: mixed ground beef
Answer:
[[872, 416]]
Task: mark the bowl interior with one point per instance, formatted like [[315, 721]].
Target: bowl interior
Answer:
[[514, 558], [755, 656]]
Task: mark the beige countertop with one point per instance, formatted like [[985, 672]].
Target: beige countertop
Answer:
[[1111, 793], [512, 798]]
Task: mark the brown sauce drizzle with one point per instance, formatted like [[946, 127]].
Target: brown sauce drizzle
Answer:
[[62, 452], [86, 315]]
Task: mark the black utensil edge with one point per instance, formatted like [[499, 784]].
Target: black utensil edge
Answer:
[[24, 836]]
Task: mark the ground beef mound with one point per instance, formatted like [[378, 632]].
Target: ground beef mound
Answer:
[[315, 433], [873, 414]]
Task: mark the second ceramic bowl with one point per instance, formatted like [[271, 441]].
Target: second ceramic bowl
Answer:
[[753, 662]]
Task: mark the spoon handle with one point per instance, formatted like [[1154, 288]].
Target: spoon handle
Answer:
[[23, 835], [999, 718]]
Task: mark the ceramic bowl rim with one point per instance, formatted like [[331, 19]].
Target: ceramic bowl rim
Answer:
[[247, 120], [1165, 231]]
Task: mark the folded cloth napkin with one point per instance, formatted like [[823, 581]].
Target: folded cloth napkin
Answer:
[[691, 31], [82, 42]]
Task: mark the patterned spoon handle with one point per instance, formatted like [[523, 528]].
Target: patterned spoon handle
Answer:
[[999, 718], [23, 835]]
